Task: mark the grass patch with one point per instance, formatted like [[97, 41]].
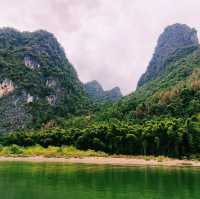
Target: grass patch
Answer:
[[51, 151]]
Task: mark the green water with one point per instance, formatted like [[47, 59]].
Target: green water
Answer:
[[59, 181]]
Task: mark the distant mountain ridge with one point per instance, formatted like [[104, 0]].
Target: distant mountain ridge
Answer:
[[95, 92]]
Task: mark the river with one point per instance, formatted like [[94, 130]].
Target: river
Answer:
[[76, 181]]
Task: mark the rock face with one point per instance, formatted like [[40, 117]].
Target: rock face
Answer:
[[37, 82], [113, 94], [95, 92], [6, 87], [30, 62], [174, 37]]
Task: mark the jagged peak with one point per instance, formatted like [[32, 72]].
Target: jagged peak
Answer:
[[93, 82], [96, 92], [179, 34], [116, 89], [95, 85], [174, 37]]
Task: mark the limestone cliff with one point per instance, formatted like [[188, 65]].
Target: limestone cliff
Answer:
[[177, 38], [37, 82]]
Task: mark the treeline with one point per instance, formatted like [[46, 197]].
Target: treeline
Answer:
[[165, 136], [181, 100]]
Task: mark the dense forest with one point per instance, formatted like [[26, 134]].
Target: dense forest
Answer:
[[174, 137], [162, 117]]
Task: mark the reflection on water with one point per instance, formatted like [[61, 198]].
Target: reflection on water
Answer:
[[60, 181]]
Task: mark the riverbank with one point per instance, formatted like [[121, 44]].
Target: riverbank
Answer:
[[69, 154], [120, 161]]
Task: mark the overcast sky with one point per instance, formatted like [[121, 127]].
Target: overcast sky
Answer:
[[110, 41]]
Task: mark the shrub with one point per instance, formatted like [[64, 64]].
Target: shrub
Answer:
[[15, 149]]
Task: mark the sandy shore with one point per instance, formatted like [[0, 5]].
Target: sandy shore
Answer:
[[120, 161]]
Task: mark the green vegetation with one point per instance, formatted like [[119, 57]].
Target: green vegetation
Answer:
[[55, 78], [161, 118], [163, 136], [64, 151], [176, 92]]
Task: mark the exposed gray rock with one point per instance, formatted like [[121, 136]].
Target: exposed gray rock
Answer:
[[51, 99], [14, 112], [113, 94], [6, 87], [30, 98], [95, 91], [31, 63], [174, 37], [51, 83]]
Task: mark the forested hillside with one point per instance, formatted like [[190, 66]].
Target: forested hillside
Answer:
[[162, 117], [174, 37], [37, 82], [174, 91]]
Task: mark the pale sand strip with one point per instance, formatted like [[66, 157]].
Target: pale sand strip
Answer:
[[121, 161]]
